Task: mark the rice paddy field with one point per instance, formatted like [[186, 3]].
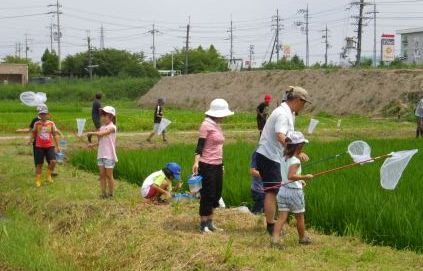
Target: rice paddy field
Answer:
[[348, 202]]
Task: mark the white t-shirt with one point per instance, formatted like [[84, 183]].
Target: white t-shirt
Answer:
[[285, 170], [280, 121]]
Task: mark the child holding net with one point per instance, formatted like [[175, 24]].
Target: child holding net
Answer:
[[106, 155], [290, 197]]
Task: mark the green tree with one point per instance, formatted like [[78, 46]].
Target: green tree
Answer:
[[295, 63], [33, 68], [111, 62], [200, 60], [49, 62]]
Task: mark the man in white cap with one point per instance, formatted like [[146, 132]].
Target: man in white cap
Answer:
[[271, 146]]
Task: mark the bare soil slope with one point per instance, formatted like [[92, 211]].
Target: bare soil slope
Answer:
[[340, 92]]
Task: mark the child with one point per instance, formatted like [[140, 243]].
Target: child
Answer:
[[159, 183], [291, 196], [158, 115], [106, 156], [257, 191], [45, 136]]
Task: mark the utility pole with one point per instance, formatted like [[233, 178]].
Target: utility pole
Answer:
[[231, 39], [374, 12], [327, 45], [19, 46], [26, 46], [153, 32], [101, 37], [187, 46], [51, 36], [58, 34], [360, 18], [90, 58], [305, 28], [251, 56]]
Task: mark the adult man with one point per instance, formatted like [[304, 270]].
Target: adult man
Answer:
[[271, 147], [95, 113], [263, 112], [158, 116]]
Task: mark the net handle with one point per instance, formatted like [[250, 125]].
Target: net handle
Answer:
[[351, 165]]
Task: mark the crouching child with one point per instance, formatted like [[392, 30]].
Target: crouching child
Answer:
[[158, 185]]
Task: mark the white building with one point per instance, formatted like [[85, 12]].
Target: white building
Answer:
[[412, 45]]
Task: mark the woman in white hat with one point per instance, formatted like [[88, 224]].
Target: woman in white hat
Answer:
[[208, 162]]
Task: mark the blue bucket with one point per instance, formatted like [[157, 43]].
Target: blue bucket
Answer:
[[60, 157], [195, 183], [63, 144]]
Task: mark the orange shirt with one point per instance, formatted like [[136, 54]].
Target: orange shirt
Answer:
[[44, 133]]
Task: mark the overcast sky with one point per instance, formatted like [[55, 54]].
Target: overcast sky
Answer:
[[126, 23]]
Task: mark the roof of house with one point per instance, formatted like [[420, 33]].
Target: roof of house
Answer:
[[410, 30]]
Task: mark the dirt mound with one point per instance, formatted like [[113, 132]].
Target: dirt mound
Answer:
[[340, 91]]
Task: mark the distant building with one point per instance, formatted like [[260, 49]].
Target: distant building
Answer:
[[14, 73], [412, 45]]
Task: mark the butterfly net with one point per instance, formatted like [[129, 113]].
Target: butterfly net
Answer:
[[30, 98], [393, 167], [312, 125], [359, 151]]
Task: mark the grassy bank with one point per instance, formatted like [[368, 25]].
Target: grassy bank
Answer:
[[82, 90], [65, 226], [349, 202]]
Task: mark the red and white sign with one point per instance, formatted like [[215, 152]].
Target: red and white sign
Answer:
[[388, 47]]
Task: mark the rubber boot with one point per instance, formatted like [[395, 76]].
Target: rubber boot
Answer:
[[49, 178], [38, 180]]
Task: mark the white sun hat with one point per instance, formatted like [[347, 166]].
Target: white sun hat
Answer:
[[109, 110], [296, 138], [219, 108]]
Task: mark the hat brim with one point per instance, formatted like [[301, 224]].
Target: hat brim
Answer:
[[105, 111], [219, 114], [177, 177]]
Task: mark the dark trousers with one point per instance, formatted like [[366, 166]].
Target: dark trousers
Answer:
[[212, 185], [419, 130], [258, 198]]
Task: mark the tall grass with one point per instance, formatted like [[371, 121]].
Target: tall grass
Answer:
[[345, 202], [83, 90]]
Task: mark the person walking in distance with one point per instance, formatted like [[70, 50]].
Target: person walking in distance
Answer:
[[419, 116], [263, 112], [271, 147], [208, 162], [95, 113], [158, 115]]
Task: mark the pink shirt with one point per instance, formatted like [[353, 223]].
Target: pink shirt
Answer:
[[107, 144], [213, 148]]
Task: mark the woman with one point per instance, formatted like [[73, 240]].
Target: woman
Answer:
[[209, 162]]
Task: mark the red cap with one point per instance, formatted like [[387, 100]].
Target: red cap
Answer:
[[268, 97]]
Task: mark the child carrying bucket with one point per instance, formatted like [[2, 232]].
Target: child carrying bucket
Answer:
[[291, 196], [158, 185], [106, 155], [45, 136]]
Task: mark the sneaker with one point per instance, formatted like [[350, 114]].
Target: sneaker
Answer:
[[305, 241], [212, 227], [206, 230], [270, 228]]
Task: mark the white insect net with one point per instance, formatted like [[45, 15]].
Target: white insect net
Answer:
[[80, 125], [164, 123], [359, 151], [30, 98], [393, 167], [312, 125]]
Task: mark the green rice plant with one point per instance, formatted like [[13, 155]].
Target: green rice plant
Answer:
[[348, 202]]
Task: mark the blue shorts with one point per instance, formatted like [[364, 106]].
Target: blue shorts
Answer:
[[106, 163], [291, 200]]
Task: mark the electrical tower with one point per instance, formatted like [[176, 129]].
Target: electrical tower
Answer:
[[305, 29], [251, 54], [374, 13], [325, 38], [231, 39], [360, 24], [90, 57], [26, 46], [153, 32], [101, 37], [58, 34], [187, 45]]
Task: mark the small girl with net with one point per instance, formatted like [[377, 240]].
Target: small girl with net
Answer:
[[106, 155], [290, 197]]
